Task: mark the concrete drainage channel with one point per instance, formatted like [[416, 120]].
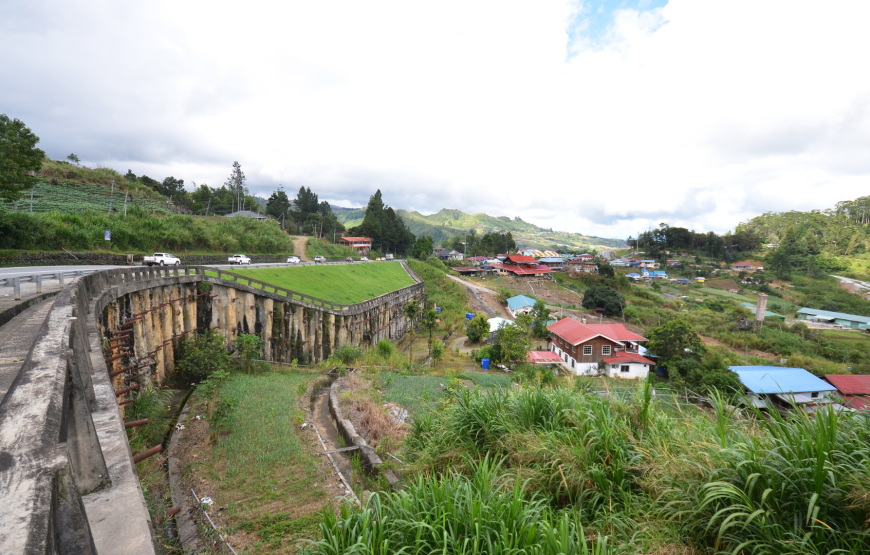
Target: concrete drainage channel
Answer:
[[338, 437]]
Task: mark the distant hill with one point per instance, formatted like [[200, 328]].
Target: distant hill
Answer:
[[448, 222]]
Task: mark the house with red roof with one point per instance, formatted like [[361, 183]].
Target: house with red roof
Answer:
[[855, 390], [583, 346], [361, 245], [522, 266]]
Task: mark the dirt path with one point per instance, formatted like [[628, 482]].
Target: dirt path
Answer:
[[483, 299], [299, 244], [753, 352]]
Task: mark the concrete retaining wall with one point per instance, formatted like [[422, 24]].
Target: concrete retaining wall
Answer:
[[67, 477]]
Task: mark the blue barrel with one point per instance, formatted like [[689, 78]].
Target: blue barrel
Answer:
[[469, 316], [438, 310], [484, 364]]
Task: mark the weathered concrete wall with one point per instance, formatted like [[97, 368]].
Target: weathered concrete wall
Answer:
[[67, 475]]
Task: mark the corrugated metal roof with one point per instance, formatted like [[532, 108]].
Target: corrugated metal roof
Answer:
[[622, 356], [551, 259], [850, 385], [542, 357], [773, 379], [827, 314], [575, 332], [520, 301]]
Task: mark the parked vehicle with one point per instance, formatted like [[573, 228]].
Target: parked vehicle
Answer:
[[389, 257], [348, 259], [292, 260], [239, 259], [161, 259], [363, 259], [319, 259]]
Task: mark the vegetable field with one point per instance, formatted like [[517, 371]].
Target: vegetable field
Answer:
[[76, 197]]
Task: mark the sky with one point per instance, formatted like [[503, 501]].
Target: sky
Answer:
[[601, 117]]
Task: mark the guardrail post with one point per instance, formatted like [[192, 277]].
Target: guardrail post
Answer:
[[60, 278], [39, 283], [16, 286]]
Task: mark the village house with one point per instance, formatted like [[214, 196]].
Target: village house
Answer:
[[577, 266], [649, 264], [586, 257], [520, 304], [556, 263], [523, 266], [583, 346], [447, 254], [361, 245], [773, 387], [855, 390], [620, 262]]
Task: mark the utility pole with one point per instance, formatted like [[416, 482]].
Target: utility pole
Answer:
[[112, 196], [31, 193], [207, 206], [125, 203]]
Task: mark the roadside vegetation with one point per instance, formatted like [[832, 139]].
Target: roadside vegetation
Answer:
[[322, 247], [139, 232], [344, 283]]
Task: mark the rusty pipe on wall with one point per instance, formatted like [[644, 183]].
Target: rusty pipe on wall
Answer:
[[116, 357], [135, 423], [120, 392], [145, 454]]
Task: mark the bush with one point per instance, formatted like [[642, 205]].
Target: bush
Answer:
[[202, 355], [386, 348], [348, 354], [605, 298], [477, 329]]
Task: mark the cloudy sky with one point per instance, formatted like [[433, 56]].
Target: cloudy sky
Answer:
[[602, 117]]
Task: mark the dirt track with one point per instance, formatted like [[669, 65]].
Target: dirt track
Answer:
[[483, 299], [299, 243]]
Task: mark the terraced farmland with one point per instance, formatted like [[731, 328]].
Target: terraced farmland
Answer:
[[74, 196]]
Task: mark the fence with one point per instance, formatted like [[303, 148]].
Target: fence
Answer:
[[38, 279], [225, 547]]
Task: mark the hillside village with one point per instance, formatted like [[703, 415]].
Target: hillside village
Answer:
[[519, 344]]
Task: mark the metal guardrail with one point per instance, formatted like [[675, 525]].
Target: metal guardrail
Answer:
[[225, 547], [38, 279]]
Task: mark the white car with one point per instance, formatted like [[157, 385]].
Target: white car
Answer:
[[363, 259], [292, 260], [239, 259], [320, 259], [161, 259]]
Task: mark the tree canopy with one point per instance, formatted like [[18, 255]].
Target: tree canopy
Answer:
[[278, 204], [387, 230], [606, 298], [674, 341], [18, 158]]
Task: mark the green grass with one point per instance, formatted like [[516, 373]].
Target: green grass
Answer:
[[487, 379], [140, 232], [344, 283], [262, 470], [316, 247], [418, 394], [444, 292]]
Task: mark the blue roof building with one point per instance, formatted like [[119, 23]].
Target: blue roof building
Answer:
[[841, 318], [520, 304], [773, 386]]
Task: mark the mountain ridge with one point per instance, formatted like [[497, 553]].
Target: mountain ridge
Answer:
[[448, 222]]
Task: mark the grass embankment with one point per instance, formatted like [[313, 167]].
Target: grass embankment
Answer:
[[141, 233], [322, 247], [344, 283], [444, 292], [654, 479], [268, 488]]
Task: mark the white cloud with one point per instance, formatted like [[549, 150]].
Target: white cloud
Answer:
[[699, 113]]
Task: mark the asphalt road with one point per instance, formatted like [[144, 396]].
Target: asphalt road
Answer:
[[8, 272]]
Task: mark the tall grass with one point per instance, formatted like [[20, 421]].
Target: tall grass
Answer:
[[486, 512], [443, 291], [656, 478], [140, 232]]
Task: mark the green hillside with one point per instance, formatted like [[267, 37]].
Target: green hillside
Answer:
[[448, 222]]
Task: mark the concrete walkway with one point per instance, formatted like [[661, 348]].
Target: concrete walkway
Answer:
[[16, 339]]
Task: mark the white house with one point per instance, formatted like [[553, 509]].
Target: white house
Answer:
[[520, 304], [628, 365]]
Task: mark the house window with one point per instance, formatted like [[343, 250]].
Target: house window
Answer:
[[814, 394], [624, 369], [587, 349], [605, 350], [614, 366], [572, 363]]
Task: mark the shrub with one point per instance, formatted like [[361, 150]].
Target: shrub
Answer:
[[477, 329], [202, 355]]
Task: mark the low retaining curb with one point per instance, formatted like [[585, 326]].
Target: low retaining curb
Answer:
[[17, 309], [371, 460], [188, 535]]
